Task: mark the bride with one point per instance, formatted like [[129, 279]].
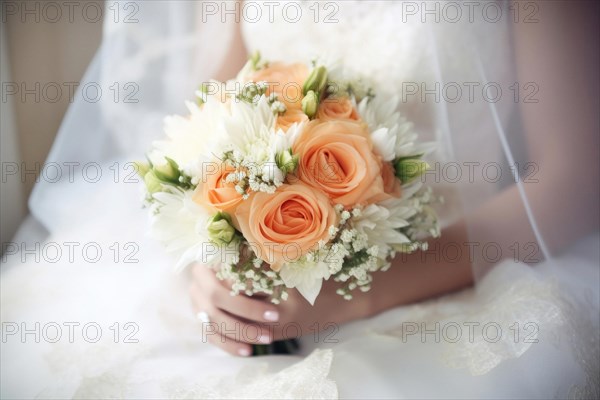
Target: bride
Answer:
[[503, 305]]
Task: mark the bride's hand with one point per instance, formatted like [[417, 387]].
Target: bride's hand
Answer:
[[297, 317], [236, 322]]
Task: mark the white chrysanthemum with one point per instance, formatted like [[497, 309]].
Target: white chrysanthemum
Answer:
[[342, 77], [220, 91], [306, 276], [407, 143], [282, 141], [192, 138], [409, 189], [256, 145], [392, 134], [379, 224], [249, 130], [180, 224], [382, 116]]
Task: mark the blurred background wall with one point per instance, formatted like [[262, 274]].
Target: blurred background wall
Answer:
[[44, 45]]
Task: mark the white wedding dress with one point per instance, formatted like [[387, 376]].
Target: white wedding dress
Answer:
[[534, 329]]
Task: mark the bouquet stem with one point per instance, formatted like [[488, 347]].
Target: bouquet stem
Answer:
[[288, 346]]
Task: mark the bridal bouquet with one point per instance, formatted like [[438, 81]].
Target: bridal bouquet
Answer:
[[287, 176]]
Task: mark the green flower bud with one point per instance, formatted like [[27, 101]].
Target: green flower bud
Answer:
[[204, 88], [220, 229], [142, 168], [255, 60], [408, 169], [153, 184], [286, 161], [310, 102], [202, 93], [316, 81], [168, 172], [406, 247]]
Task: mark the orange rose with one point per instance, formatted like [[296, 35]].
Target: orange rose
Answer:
[[284, 226], [285, 80], [216, 194], [290, 117], [337, 108], [391, 184], [337, 157]]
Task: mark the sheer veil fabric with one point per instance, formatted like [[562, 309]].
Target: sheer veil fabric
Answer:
[[529, 332]]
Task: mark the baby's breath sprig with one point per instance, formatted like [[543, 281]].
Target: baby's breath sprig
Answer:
[[351, 89], [358, 260], [424, 223], [252, 91], [252, 276], [256, 61], [186, 182], [277, 106], [249, 176]]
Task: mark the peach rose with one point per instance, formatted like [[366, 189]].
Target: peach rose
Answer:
[[391, 184], [283, 226], [337, 108], [216, 194], [290, 117], [285, 80], [337, 157]]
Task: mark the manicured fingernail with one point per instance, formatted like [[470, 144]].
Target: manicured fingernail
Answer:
[[271, 315], [244, 351], [264, 339]]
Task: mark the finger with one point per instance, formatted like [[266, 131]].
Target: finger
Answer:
[[203, 275], [255, 309], [228, 325], [200, 296], [200, 299], [207, 288], [240, 331], [246, 307], [229, 345]]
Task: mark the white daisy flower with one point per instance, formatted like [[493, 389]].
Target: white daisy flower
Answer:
[[249, 130], [379, 223], [393, 136], [191, 139], [180, 224], [306, 276]]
